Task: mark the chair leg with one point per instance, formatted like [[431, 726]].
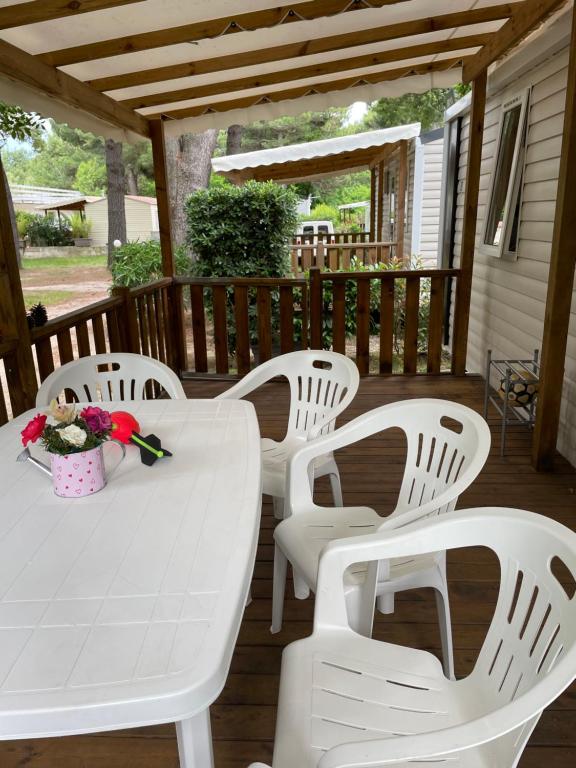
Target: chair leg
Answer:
[[385, 603], [278, 589], [301, 589], [336, 487], [278, 507], [445, 622]]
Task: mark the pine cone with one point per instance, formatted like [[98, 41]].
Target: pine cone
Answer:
[[39, 315]]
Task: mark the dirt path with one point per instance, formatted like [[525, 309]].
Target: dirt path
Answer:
[[65, 288]]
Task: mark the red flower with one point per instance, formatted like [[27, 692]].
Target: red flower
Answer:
[[34, 429], [123, 425]]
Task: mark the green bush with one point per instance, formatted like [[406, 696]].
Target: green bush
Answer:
[[323, 212], [80, 227], [46, 231], [137, 263], [241, 231], [23, 220]]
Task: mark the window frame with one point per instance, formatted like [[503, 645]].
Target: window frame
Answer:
[[515, 183]]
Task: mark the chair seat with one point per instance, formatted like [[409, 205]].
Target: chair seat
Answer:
[[275, 457], [303, 537], [338, 687]]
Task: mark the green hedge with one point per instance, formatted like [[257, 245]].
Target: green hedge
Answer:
[[241, 231], [140, 262]]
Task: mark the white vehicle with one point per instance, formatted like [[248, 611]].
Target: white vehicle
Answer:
[[314, 228]]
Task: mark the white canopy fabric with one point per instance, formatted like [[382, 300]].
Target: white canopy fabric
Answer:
[[193, 63], [312, 149]]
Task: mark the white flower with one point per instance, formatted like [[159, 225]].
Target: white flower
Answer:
[[64, 413], [73, 435]]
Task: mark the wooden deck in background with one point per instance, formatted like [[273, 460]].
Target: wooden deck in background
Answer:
[[244, 715]]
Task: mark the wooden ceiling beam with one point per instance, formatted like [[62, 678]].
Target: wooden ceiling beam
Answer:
[[525, 18], [303, 73], [252, 20], [384, 154], [304, 48], [24, 68], [307, 90], [46, 10]]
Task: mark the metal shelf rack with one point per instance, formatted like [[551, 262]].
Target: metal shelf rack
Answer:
[[517, 414]]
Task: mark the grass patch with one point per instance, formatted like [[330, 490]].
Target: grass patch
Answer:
[[48, 298], [50, 262]]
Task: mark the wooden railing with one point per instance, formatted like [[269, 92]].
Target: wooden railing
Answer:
[[389, 321], [339, 256], [334, 237], [234, 317], [405, 335]]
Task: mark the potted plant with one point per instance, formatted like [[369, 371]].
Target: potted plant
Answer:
[[80, 228], [75, 445]]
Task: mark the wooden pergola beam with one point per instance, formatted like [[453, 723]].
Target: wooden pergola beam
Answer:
[[307, 90], [341, 162], [201, 30], [318, 45], [464, 281], [37, 11], [24, 68], [560, 286], [303, 73], [525, 17]]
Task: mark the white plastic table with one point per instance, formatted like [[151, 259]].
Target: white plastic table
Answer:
[[122, 609]]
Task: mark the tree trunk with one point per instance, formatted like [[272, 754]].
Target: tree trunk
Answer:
[[188, 159], [116, 190], [131, 181], [12, 213], [234, 139]]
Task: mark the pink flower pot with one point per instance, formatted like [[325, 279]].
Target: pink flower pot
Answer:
[[80, 474]]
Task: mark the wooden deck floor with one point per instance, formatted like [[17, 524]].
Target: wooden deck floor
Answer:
[[243, 717]]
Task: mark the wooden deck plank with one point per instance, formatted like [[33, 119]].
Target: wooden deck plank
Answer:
[[243, 718]]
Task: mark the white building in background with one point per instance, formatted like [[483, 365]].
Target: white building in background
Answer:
[[141, 219]]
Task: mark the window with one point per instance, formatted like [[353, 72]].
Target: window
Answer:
[[503, 216]]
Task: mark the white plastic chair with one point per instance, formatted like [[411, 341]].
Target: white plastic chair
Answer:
[[347, 701], [115, 376], [440, 464], [322, 385]]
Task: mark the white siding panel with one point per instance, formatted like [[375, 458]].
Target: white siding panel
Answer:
[[509, 297]]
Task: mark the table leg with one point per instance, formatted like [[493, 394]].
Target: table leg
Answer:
[[195, 741]]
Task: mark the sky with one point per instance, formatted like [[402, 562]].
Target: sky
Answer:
[[356, 112]]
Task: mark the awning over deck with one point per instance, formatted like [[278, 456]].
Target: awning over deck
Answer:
[[298, 162], [110, 65]]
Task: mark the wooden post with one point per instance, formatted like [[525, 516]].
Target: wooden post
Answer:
[[380, 215], [316, 319], [401, 198], [129, 333], [161, 181], [372, 235], [464, 281], [19, 365], [179, 363], [560, 286]]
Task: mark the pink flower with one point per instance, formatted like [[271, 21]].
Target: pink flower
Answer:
[[98, 421], [34, 429]]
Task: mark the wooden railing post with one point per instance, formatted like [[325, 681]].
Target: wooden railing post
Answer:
[[316, 309], [464, 282], [178, 328], [19, 365], [129, 333]]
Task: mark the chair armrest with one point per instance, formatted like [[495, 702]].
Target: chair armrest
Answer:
[[364, 754], [248, 384]]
